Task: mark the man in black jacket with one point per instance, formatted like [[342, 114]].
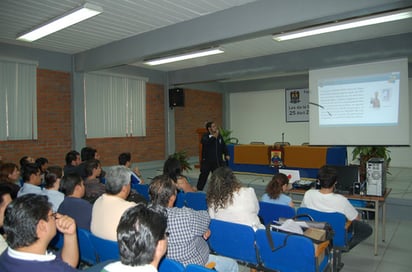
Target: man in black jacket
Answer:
[[213, 149]]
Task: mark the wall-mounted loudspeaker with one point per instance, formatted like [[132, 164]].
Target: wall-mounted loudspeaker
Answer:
[[176, 97]]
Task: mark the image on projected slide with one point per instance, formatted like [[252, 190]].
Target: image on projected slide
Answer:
[[368, 100]]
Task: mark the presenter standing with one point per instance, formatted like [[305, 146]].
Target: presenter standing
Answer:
[[214, 153]]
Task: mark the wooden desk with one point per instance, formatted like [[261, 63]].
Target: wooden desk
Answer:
[[379, 203]]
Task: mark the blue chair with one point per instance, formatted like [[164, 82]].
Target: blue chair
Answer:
[[87, 251], [292, 253], [142, 189], [106, 249], [168, 265], [341, 235], [233, 240], [269, 212], [197, 268], [180, 199], [196, 201]]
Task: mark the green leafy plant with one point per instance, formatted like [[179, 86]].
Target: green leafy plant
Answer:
[[183, 159], [226, 136], [364, 153]]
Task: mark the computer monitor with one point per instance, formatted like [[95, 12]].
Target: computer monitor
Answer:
[[346, 176]]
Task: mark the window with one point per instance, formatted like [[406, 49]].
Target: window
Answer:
[[115, 106], [18, 100]]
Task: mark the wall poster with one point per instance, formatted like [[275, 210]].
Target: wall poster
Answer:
[[297, 105]]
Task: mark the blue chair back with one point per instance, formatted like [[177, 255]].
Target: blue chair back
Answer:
[[233, 240], [337, 222], [197, 268], [269, 212], [168, 265], [106, 249], [87, 251], [196, 201], [293, 253], [180, 199], [142, 189]]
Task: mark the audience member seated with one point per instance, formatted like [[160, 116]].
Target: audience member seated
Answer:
[[52, 185], [173, 169], [42, 163], [5, 199], [72, 161], [325, 200], [125, 159], [9, 176], [142, 240], [94, 188], [188, 229], [32, 179], [29, 226], [110, 206], [229, 201], [72, 186], [275, 191], [23, 161], [86, 154]]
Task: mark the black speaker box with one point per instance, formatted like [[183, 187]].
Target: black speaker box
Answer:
[[176, 97]]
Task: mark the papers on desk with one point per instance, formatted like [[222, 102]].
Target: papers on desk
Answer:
[[290, 225]]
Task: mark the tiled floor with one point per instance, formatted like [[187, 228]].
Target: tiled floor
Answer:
[[394, 255]]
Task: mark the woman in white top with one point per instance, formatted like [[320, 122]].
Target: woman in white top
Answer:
[[229, 201]]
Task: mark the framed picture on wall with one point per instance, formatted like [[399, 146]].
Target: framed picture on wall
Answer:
[[297, 105]]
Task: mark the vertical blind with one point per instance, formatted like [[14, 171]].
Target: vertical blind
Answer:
[[18, 100], [115, 106]]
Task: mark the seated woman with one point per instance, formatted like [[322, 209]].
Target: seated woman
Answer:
[[173, 169], [229, 201], [275, 191], [9, 177]]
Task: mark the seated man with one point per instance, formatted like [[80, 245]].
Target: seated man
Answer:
[[73, 205], [110, 206], [29, 226], [32, 180], [94, 188], [141, 235], [72, 161], [188, 229], [125, 159], [325, 200]]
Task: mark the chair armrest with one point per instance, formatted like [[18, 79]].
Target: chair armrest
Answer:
[[348, 224], [320, 248]]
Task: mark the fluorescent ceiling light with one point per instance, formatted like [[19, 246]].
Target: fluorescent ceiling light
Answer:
[[185, 56], [346, 24], [70, 18]]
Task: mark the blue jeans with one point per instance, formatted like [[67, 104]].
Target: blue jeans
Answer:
[[224, 264]]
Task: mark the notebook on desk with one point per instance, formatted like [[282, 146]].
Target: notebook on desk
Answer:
[[293, 175]]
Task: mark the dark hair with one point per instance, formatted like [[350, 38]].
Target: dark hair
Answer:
[[71, 156], [116, 178], [90, 165], [69, 182], [53, 174], [138, 233], [327, 176], [124, 158], [274, 187], [6, 169], [172, 168], [161, 189], [41, 161], [222, 185], [208, 125], [4, 190], [23, 161], [21, 218], [87, 153], [28, 170]]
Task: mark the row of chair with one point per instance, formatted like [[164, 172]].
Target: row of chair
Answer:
[[194, 200], [94, 250]]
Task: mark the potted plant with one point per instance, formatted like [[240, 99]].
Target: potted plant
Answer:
[[182, 157], [226, 136], [364, 153]]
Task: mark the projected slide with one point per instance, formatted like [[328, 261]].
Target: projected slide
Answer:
[[368, 100]]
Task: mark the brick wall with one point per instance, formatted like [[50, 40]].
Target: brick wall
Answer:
[[149, 148], [200, 107], [53, 121]]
